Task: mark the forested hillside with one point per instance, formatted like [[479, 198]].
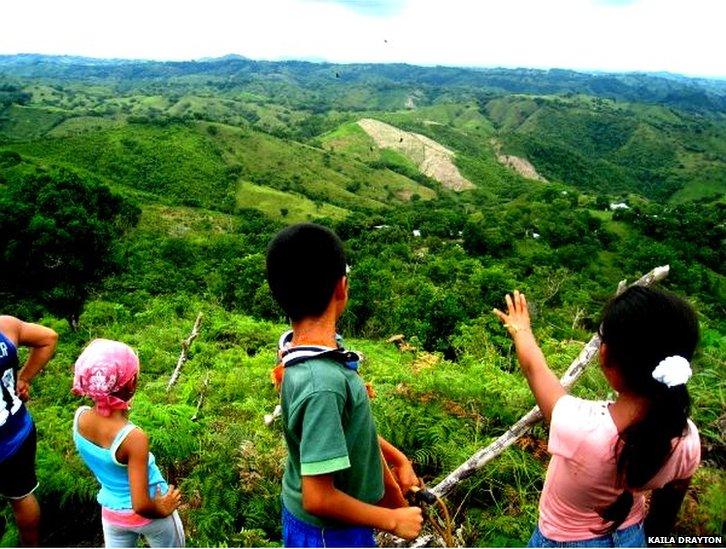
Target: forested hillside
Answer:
[[134, 195]]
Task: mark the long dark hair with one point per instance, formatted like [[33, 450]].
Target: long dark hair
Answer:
[[641, 327]]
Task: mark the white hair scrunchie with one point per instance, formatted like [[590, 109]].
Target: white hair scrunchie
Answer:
[[673, 370]]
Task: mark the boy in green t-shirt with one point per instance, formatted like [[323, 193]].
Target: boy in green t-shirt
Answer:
[[334, 474]]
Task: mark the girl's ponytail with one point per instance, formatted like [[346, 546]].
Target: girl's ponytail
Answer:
[[641, 328]]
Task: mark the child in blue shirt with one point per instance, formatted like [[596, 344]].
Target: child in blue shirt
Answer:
[[135, 499]]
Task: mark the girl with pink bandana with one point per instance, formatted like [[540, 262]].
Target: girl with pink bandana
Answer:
[[135, 499]]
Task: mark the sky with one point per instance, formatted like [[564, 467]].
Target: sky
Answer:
[[679, 36]]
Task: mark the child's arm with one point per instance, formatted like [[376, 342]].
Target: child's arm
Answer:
[[664, 505], [542, 381], [400, 464], [39, 339], [321, 498], [135, 452]]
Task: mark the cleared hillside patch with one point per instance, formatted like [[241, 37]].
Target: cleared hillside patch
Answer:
[[520, 165], [433, 159]]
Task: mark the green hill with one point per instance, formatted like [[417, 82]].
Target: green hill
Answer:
[[617, 148], [202, 164]]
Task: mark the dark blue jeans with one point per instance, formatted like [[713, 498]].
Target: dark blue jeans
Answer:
[[632, 536], [296, 533]]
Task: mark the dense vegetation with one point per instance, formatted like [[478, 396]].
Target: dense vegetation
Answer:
[[134, 195], [62, 228]]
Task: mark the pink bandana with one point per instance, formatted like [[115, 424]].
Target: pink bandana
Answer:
[[104, 368]]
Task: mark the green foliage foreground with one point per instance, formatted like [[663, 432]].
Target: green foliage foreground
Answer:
[[229, 464]]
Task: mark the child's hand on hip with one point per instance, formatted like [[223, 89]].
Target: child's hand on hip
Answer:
[[408, 521], [166, 504], [517, 317], [23, 389]]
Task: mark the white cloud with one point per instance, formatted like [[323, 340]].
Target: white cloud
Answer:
[[648, 35]]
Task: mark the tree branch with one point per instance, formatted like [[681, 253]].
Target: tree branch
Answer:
[[183, 355], [200, 400]]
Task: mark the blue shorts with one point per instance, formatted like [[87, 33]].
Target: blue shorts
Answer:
[[632, 536], [296, 533], [17, 472]]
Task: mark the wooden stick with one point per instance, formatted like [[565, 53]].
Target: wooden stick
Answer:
[[483, 456], [183, 355], [200, 400]]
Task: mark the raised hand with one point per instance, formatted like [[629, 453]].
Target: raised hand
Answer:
[[517, 317], [542, 381]]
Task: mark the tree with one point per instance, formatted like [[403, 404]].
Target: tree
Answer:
[[59, 231], [480, 239]]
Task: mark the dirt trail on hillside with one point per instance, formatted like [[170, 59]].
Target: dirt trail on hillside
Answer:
[[433, 159], [520, 165]]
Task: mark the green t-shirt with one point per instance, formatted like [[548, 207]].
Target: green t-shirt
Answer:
[[328, 429]]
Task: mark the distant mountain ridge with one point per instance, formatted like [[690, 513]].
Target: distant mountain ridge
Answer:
[[36, 58], [693, 94]]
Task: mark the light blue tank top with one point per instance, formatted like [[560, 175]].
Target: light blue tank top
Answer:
[[113, 476]]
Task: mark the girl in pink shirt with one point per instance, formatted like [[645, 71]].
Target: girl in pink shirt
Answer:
[[607, 455]]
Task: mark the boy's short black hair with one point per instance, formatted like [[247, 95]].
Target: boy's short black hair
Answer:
[[304, 263]]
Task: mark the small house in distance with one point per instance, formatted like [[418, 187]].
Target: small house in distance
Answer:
[[619, 206]]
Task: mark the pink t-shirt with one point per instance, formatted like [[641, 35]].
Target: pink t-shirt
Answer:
[[581, 477]]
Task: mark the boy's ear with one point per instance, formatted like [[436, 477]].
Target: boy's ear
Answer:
[[603, 354], [341, 288]]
